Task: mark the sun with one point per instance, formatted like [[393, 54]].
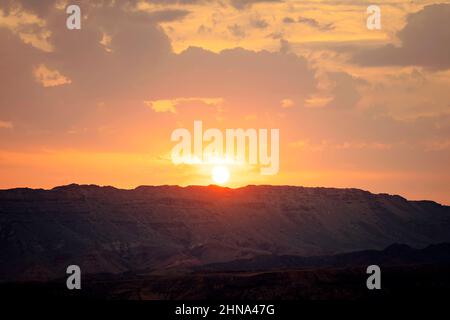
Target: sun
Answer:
[[220, 174]]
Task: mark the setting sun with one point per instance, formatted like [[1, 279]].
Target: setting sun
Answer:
[[220, 174]]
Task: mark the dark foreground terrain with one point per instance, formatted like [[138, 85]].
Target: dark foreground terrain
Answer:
[[407, 274], [256, 242], [398, 283]]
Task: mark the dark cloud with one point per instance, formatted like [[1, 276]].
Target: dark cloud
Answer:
[[95, 74], [285, 46], [244, 4], [16, 65], [204, 29], [238, 75], [345, 90], [40, 8], [171, 2], [237, 31], [313, 23], [259, 23], [168, 15], [425, 41], [43, 7], [288, 20], [277, 35], [138, 66]]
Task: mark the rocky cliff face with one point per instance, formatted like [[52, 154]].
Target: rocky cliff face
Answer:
[[104, 229]]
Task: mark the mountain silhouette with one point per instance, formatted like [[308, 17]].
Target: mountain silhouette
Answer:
[[394, 255], [163, 229]]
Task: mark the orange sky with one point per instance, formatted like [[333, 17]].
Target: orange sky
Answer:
[[355, 107]]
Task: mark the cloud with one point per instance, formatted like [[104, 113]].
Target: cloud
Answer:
[[318, 101], [237, 31], [169, 15], [169, 2], [79, 58], [48, 77], [258, 23], [425, 41], [324, 145], [6, 125], [204, 29], [106, 42], [163, 15], [16, 77], [169, 105], [244, 4], [162, 105], [344, 90], [239, 76], [123, 64], [285, 46], [41, 7], [440, 145], [30, 28], [287, 103], [313, 23], [288, 20]]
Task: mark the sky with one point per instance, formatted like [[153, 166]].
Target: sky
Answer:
[[355, 107]]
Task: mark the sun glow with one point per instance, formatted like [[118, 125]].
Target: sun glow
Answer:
[[220, 174]]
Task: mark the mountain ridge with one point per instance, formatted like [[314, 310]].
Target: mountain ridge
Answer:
[[394, 255], [106, 229], [72, 186]]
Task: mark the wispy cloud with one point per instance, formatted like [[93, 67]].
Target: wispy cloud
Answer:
[[49, 77], [6, 125], [169, 105]]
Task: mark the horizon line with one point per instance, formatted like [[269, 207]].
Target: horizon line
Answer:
[[220, 186]]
